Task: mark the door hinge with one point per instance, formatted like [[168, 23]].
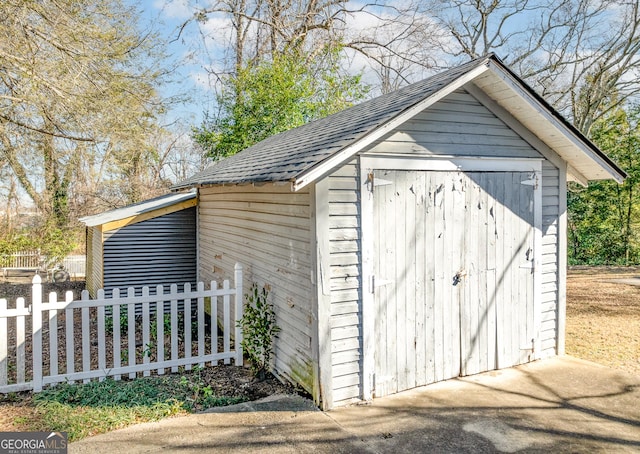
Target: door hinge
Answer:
[[532, 181]]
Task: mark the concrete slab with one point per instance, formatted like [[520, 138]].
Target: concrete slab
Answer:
[[556, 405]]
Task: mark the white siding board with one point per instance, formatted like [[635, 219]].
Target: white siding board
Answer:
[[347, 368], [344, 396], [342, 308], [345, 320], [344, 258], [267, 229], [344, 332], [345, 270], [341, 246], [550, 258], [345, 296]]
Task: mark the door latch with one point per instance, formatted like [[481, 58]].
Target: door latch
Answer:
[[459, 276]]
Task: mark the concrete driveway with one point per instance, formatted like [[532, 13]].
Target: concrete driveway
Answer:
[[556, 405]]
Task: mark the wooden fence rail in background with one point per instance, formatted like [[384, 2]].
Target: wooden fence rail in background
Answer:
[[87, 339]]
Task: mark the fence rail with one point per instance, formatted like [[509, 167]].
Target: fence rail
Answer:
[[23, 259], [86, 339]]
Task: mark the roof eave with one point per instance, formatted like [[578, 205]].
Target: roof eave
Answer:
[[324, 167], [542, 107]]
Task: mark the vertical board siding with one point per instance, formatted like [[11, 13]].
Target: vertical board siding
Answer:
[[448, 302], [345, 272], [94, 259], [550, 275], [458, 125], [161, 250], [267, 228]]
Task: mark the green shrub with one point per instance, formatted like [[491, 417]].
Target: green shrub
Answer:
[[259, 327]]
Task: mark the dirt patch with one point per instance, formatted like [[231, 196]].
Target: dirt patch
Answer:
[[603, 316]]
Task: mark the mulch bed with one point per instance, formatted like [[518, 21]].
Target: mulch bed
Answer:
[[229, 381]]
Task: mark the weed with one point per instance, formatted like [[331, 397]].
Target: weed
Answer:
[[259, 327]]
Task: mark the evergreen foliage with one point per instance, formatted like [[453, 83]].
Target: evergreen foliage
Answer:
[[271, 97]]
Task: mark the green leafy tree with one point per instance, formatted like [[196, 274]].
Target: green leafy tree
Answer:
[[604, 217], [271, 97]]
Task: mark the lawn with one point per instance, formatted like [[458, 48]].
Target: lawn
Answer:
[[603, 316]]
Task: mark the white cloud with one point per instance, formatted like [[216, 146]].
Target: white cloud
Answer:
[[174, 9]]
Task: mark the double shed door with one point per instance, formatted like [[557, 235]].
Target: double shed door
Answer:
[[453, 274]]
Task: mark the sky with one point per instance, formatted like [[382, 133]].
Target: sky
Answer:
[[196, 54], [185, 51]]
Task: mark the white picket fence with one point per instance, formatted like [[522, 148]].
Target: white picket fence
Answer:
[[75, 265], [103, 337]]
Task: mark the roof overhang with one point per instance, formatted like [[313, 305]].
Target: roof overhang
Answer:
[[142, 211], [321, 169], [584, 160]]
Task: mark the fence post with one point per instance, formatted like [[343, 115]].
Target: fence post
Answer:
[[36, 321], [238, 314], [3, 343]]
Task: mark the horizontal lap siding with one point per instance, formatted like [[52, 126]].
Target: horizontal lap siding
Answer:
[[550, 275], [345, 273], [458, 125], [266, 229]]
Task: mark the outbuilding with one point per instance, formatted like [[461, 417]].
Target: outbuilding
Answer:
[[413, 238], [145, 244]]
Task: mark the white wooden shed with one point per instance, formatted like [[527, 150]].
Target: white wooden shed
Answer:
[[412, 238], [145, 244]]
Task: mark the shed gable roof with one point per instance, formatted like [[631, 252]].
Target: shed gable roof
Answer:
[[304, 154]]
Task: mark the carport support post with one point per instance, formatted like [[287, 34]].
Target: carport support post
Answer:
[[36, 323], [238, 334]]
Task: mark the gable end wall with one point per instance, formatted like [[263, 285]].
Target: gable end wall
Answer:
[[451, 121]]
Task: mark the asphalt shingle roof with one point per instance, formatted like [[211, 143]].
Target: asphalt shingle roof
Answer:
[[284, 156]]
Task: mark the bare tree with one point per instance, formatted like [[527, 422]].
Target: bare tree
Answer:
[[396, 41], [77, 98], [577, 53]]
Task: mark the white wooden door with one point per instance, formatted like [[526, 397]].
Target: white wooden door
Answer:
[[453, 264]]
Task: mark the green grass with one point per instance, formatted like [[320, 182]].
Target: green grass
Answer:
[[97, 407]]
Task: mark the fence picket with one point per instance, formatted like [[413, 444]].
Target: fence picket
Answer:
[[102, 348], [160, 328], [214, 321], [115, 319], [201, 323], [131, 328], [4, 357], [94, 326], [226, 321], [53, 336], [70, 341], [86, 337], [146, 347], [36, 336], [174, 326], [238, 314], [21, 359], [187, 326]]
